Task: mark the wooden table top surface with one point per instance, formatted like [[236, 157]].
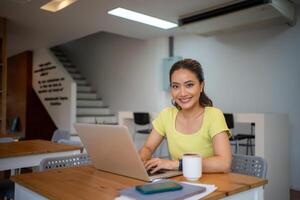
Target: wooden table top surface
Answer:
[[86, 182], [31, 147]]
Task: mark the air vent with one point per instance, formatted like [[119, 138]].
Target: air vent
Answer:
[[238, 14]]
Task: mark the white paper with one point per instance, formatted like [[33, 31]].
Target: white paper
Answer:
[[209, 189]]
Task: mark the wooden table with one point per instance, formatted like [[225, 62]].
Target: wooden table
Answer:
[[29, 153], [86, 182]]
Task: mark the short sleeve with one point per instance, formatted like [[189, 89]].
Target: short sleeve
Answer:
[[218, 123], [159, 123]]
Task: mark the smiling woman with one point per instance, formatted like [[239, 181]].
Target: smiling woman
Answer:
[[192, 126]]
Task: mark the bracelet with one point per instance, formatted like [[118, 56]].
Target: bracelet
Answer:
[[180, 165]]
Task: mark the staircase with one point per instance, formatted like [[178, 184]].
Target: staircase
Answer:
[[90, 108]]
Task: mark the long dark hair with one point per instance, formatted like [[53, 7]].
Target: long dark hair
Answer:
[[195, 67]]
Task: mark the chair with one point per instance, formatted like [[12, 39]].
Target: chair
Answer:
[[70, 142], [240, 136], [64, 162], [6, 139], [60, 134], [7, 188], [14, 124], [64, 137], [6, 185], [249, 165], [142, 123]]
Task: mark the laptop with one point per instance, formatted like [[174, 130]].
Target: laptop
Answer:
[[111, 149]]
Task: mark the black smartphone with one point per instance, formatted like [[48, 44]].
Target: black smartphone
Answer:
[[158, 187]]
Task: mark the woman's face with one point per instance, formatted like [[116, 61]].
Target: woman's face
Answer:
[[185, 88]]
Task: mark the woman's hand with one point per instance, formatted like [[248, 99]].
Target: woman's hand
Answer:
[[156, 164]]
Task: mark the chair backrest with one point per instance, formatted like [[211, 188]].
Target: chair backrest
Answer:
[[229, 120], [14, 124], [6, 139], [70, 142], [141, 118], [64, 162], [60, 134], [249, 165]]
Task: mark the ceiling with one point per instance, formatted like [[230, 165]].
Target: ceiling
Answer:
[[30, 27]]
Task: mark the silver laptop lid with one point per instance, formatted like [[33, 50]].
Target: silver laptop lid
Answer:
[[111, 149]]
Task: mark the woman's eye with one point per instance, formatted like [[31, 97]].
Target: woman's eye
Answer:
[[189, 85], [174, 86]]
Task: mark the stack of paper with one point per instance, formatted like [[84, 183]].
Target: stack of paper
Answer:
[[130, 193], [209, 189]]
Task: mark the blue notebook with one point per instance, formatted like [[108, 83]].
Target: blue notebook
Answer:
[[187, 191]]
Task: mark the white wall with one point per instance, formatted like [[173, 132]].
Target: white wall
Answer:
[[255, 70]]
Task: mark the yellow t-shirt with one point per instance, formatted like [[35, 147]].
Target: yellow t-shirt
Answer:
[[199, 142]]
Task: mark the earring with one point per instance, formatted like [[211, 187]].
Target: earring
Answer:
[[173, 102]]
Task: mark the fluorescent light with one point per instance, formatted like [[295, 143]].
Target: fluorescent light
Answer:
[[56, 5], [135, 16]]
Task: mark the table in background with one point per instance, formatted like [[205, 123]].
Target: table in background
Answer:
[[15, 136], [86, 182], [29, 153]]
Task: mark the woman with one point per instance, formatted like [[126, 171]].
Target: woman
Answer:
[[192, 126]]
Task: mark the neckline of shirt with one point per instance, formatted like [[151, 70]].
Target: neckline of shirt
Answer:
[[189, 134]]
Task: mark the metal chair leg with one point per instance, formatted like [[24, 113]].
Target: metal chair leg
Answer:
[[237, 147], [247, 147], [251, 147]]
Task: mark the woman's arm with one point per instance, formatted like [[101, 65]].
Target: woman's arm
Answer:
[[221, 161], [152, 142], [155, 164]]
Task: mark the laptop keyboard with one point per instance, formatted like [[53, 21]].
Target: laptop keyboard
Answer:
[[161, 171]]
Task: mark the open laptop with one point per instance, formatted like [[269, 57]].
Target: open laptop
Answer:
[[111, 149]]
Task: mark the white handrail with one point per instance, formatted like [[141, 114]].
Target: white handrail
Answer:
[[55, 88]]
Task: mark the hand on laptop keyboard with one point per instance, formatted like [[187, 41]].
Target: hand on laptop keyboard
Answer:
[[155, 164]]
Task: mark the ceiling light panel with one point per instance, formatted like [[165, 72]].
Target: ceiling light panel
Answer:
[[56, 5], [139, 17]]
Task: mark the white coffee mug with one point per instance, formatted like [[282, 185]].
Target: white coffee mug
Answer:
[[192, 166]]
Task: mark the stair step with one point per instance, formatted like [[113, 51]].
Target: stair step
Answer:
[[83, 103], [61, 55], [67, 64], [85, 92], [72, 70], [84, 84], [86, 99], [81, 81], [97, 119], [86, 95], [58, 53], [64, 59], [76, 76], [84, 89], [94, 107], [93, 111]]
